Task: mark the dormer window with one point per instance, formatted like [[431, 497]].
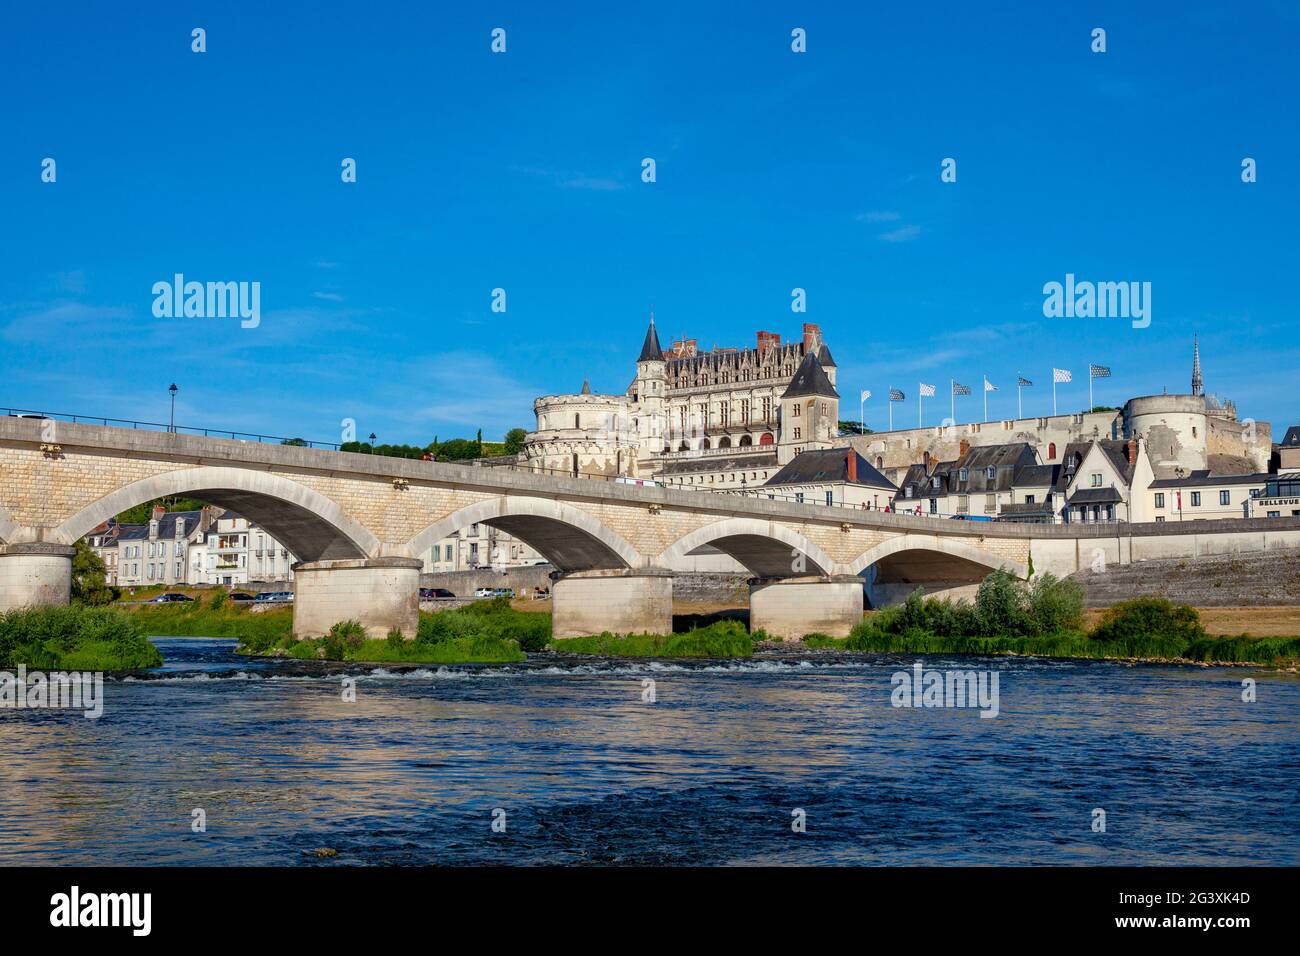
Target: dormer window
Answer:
[[963, 474], [992, 473]]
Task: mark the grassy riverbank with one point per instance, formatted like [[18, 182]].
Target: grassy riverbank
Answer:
[[200, 619], [75, 637], [486, 632], [1011, 618], [720, 639]]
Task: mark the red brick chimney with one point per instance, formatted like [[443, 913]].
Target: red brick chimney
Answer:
[[963, 447], [158, 512], [767, 340], [1132, 450], [812, 335], [853, 465]]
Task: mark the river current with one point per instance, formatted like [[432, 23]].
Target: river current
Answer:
[[796, 760]]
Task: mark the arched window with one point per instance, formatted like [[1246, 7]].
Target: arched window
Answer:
[[724, 442], [577, 421], [765, 438], [1051, 450], [880, 462], [745, 441], [705, 444]]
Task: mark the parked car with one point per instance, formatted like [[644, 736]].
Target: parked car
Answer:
[[264, 596], [241, 596], [170, 597], [970, 517], [434, 594], [494, 592]]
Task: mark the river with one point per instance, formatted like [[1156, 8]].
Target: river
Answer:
[[588, 772]]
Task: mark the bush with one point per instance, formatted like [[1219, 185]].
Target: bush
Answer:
[[343, 636], [218, 600], [1055, 605], [395, 639], [1002, 606], [718, 640], [1143, 619], [75, 637]]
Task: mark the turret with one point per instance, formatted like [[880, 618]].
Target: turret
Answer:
[[810, 410]]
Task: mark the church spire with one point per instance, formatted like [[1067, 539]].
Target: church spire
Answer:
[[650, 351], [1198, 385]]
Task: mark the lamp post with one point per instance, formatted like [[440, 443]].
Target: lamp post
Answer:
[[372, 443], [171, 427]]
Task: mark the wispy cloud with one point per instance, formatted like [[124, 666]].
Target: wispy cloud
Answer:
[[565, 179], [878, 215], [327, 296], [905, 234]]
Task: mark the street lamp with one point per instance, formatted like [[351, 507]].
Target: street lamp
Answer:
[[172, 426], [372, 443]]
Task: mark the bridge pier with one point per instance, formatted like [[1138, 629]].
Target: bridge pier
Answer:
[[36, 574], [792, 607], [630, 601], [381, 593]]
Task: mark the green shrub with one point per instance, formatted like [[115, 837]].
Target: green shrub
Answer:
[[75, 637], [1055, 604], [1001, 605], [395, 638], [1146, 619], [342, 637], [218, 600]]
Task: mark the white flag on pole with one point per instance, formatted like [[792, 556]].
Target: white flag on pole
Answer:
[[989, 386], [865, 395], [1061, 375], [926, 390]]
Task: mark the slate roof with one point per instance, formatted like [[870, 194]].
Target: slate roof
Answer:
[[1205, 478], [1115, 449], [810, 380], [650, 350], [829, 465], [1292, 437], [824, 356], [1096, 496]]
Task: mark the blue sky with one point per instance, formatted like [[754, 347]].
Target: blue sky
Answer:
[[522, 171]]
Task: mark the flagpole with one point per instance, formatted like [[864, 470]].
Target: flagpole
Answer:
[[918, 406], [1053, 393], [1090, 387], [891, 413], [862, 420], [1020, 411], [952, 400], [986, 398]]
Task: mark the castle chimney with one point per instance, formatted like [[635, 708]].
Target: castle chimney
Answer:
[[1132, 450], [963, 448], [158, 512], [812, 335], [853, 465]]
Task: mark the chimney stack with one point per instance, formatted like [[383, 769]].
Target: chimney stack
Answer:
[[812, 336], [158, 512], [963, 448], [1132, 450], [853, 465]]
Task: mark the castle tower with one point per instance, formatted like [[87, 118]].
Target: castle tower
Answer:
[[1198, 386], [810, 410], [652, 392]]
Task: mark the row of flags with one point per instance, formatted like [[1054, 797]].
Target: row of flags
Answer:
[[1059, 376]]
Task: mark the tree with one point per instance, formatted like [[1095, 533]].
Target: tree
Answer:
[[515, 441], [88, 585], [854, 428], [299, 442], [141, 514]]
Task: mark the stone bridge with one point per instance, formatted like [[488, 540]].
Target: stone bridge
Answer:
[[359, 524]]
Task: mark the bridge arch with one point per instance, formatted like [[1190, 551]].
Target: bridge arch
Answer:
[[568, 537], [767, 548], [947, 546], [310, 525]]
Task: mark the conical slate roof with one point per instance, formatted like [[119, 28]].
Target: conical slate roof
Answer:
[[824, 356], [650, 351], [586, 388], [810, 379]]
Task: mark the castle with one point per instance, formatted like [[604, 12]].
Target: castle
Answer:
[[729, 419], [725, 417]]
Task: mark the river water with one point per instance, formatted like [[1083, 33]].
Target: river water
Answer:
[[588, 772]]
